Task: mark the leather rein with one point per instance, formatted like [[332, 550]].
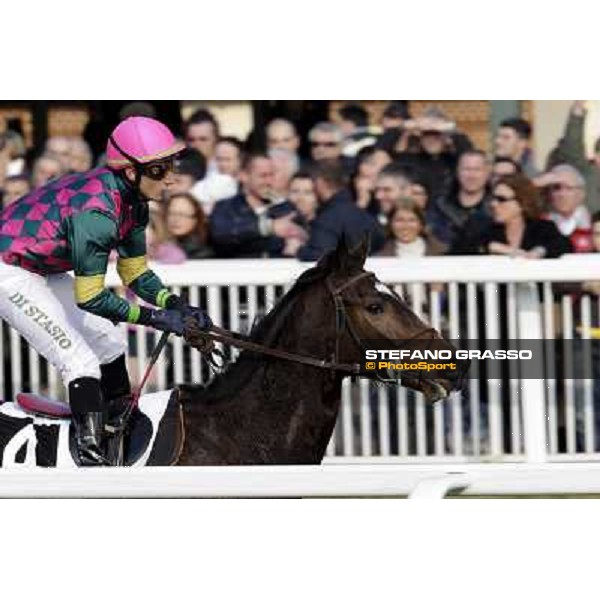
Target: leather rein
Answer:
[[342, 322]]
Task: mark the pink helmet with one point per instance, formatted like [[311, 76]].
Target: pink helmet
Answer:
[[140, 140]]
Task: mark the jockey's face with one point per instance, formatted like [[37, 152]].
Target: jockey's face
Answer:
[[152, 189]]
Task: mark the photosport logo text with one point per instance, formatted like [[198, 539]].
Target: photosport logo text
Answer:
[[436, 362]]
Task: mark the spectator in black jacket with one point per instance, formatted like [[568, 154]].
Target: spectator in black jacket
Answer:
[[517, 229], [440, 146], [337, 215], [451, 215], [252, 224]]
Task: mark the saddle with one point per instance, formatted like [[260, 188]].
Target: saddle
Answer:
[[159, 438]]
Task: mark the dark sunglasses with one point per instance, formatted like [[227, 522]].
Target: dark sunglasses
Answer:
[[159, 170], [557, 187], [499, 198], [325, 144]]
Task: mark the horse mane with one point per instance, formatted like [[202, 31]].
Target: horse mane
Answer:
[[226, 385], [275, 319]]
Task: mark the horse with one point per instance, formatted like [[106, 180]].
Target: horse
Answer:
[[265, 410], [279, 408]]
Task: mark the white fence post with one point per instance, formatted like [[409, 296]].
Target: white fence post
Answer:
[[533, 392]]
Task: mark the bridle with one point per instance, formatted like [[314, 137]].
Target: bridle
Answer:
[[342, 322]]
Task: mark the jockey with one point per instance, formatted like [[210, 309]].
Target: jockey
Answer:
[[74, 223]]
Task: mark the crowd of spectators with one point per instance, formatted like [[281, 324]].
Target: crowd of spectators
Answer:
[[417, 186]]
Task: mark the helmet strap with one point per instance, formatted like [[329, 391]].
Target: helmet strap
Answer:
[[137, 166]]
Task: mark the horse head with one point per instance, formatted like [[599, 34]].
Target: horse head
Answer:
[[367, 312]]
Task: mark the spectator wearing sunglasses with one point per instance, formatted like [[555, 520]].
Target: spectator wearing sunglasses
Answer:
[[565, 190], [201, 132], [325, 142], [518, 229]]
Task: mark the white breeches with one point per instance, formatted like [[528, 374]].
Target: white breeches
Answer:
[[43, 310]]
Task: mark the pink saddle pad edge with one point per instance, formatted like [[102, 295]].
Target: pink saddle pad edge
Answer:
[[41, 405]]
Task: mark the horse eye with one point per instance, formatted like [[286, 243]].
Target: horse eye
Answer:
[[375, 308]]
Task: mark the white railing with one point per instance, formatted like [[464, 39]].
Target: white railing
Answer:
[[372, 480], [503, 420]]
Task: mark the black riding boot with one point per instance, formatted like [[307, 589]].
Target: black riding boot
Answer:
[[116, 390], [85, 399]]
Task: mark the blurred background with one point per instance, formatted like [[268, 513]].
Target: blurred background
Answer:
[[94, 119]]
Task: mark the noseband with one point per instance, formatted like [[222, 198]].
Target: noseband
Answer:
[[342, 322]]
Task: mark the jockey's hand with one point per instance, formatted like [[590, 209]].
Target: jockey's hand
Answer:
[[169, 320], [196, 313]]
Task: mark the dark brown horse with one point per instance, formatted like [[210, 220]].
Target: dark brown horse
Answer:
[[264, 410]]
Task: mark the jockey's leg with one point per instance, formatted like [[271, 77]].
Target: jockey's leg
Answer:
[[116, 389], [110, 346], [29, 304], [87, 411]]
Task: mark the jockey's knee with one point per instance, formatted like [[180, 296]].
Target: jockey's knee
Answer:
[[109, 341], [114, 346], [84, 363]]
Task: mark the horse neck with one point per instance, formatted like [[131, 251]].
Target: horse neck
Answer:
[[290, 407], [307, 398]]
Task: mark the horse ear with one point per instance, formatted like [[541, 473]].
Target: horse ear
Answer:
[[343, 253], [359, 253], [344, 259], [337, 259]]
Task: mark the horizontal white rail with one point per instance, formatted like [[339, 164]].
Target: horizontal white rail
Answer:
[[418, 481], [441, 269]]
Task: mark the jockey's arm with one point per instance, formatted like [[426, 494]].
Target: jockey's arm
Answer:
[[134, 272], [91, 236], [136, 275]]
